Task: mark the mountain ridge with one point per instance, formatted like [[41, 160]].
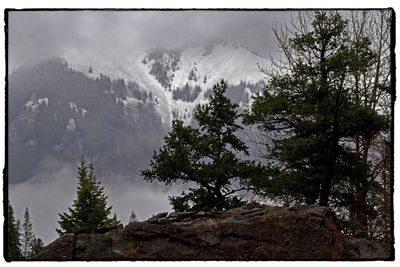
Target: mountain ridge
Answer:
[[163, 71], [60, 110]]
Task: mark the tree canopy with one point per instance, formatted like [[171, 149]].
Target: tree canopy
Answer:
[[14, 243], [27, 235], [206, 157], [89, 210], [309, 104]]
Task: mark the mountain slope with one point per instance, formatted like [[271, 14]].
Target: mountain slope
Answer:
[[178, 79], [116, 110], [56, 111]]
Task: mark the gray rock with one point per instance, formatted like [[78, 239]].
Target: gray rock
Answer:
[[160, 215], [364, 249], [252, 232]]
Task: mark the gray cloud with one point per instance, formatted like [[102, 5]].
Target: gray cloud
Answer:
[[35, 35], [53, 188], [46, 194]]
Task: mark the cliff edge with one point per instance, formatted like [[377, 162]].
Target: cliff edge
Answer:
[[251, 232]]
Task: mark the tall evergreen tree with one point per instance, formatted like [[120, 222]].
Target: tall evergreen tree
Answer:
[[36, 246], [206, 157], [27, 234], [89, 210], [13, 251], [309, 111]]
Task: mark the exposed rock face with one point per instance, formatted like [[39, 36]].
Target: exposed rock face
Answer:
[[362, 249], [252, 232]]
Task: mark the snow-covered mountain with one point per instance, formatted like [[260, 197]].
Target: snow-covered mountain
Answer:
[[179, 80], [116, 110]]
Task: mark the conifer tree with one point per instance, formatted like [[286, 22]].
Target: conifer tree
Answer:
[[27, 235], [206, 157], [36, 246], [89, 210], [115, 220], [133, 217], [14, 244], [308, 104]]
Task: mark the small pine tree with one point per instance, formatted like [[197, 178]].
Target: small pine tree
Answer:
[[19, 231], [13, 230], [133, 217], [27, 234], [89, 210], [36, 246], [192, 75], [114, 219]]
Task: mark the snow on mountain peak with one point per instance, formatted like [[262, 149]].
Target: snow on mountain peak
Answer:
[[178, 79]]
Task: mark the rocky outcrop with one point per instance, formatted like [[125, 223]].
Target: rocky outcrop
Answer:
[[252, 232], [363, 249]]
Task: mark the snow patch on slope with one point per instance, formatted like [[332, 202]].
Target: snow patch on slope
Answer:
[[34, 104], [197, 66], [225, 61], [129, 68]]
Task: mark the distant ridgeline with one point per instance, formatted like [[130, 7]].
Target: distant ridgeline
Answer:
[[58, 112], [61, 109]]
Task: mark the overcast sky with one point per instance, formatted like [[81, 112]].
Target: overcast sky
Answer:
[[53, 188], [35, 35]]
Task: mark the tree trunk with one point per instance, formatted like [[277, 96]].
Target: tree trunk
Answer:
[[332, 155]]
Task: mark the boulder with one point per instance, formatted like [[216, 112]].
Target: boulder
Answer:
[[251, 232], [363, 249], [61, 249]]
